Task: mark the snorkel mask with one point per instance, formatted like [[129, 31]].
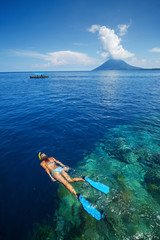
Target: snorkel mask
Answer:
[[39, 155]]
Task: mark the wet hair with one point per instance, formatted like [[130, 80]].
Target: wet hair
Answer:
[[43, 157]]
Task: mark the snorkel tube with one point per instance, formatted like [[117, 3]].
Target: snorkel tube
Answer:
[[39, 155]]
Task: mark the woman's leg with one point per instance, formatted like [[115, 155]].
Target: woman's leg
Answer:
[[69, 179], [61, 179]]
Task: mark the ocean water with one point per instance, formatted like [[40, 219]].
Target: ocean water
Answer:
[[105, 125]]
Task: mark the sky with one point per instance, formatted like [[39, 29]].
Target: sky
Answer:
[[66, 35]]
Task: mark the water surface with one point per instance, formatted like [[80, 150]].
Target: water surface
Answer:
[[102, 124]]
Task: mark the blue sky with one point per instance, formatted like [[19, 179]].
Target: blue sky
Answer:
[[78, 34]]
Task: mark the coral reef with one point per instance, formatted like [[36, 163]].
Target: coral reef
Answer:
[[128, 161]]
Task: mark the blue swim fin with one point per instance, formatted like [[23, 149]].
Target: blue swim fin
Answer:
[[88, 207], [100, 186]]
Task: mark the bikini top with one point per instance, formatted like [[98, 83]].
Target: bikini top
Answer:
[[49, 163]]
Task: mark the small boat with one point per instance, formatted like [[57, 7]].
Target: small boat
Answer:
[[39, 75]]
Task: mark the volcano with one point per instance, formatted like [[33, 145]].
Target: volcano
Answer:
[[114, 64]]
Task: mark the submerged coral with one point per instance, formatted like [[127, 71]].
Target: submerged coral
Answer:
[[128, 162]]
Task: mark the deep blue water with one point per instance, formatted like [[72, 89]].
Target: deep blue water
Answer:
[[63, 116]]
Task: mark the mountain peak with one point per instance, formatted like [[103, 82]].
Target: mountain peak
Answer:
[[115, 64]]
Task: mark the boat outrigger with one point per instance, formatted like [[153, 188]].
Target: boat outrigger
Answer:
[[39, 75]]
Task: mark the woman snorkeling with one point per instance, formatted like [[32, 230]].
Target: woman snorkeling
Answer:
[[58, 173]]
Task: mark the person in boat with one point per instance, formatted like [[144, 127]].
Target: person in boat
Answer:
[[58, 173]]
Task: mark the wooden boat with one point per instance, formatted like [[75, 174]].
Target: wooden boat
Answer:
[[39, 75]]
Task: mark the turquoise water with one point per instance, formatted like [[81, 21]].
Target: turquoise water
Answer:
[[127, 160], [104, 126]]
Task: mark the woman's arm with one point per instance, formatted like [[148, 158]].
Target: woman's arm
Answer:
[[61, 164], [47, 171]]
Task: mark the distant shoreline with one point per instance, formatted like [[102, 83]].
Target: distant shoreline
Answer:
[[148, 69], [141, 69]]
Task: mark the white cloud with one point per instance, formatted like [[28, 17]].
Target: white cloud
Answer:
[[157, 50], [138, 62], [144, 63], [69, 57], [123, 28], [94, 28], [59, 58], [111, 43], [26, 53]]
